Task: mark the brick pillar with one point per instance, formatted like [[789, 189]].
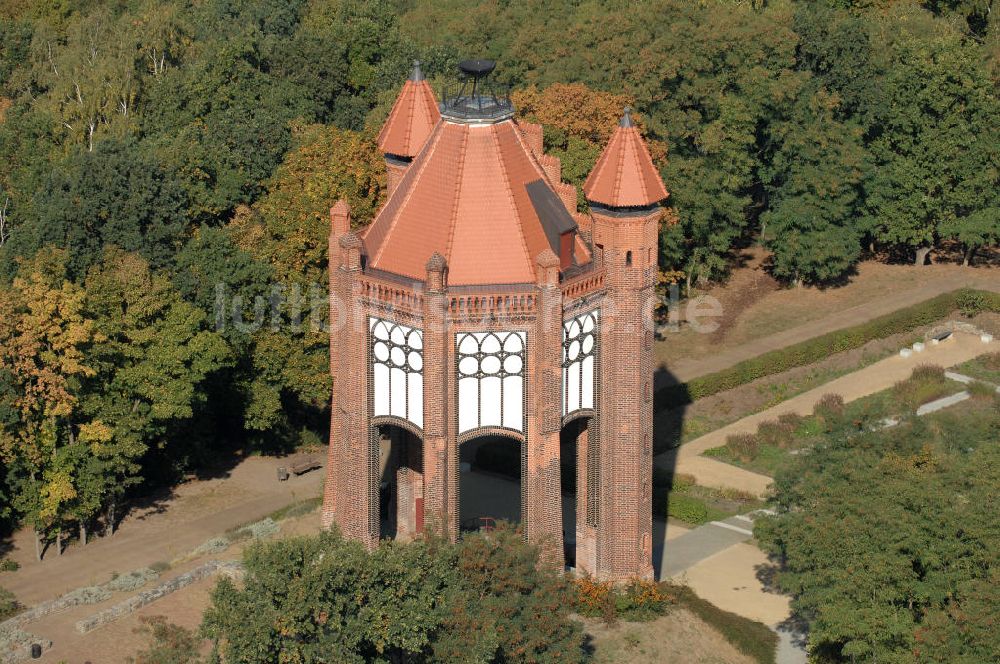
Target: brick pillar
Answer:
[[624, 533], [586, 536], [439, 432], [543, 517], [340, 225], [351, 492]]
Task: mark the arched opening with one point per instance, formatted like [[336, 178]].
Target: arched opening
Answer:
[[574, 453], [490, 487], [401, 482]]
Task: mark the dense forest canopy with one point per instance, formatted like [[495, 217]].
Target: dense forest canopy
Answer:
[[170, 162]]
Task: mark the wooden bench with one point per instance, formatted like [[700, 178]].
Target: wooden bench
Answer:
[[298, 469], [941, 336], [305, 466]]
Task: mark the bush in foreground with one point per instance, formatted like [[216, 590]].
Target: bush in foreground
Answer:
[[323, 599]]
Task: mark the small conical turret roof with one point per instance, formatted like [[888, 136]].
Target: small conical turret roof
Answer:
[[412, 118], [624, 175]]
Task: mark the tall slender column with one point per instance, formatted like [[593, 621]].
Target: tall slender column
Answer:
[[586, 544], [351, 492], [624, 536], [543, 519], [437, 375]]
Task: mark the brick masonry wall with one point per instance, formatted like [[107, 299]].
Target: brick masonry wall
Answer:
[[619, 546], [624, 537]]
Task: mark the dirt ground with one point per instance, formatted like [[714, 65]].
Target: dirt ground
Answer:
[[168, 527], [679, 636], [123, 638], [758, 315]]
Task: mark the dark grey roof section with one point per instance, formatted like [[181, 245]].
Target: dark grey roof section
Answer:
[[626, 120], [551, 212], [417, 74]]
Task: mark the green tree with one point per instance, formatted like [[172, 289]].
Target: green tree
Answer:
[[935, 174], [288, 230], [117, 194], [815, 177], [150, 363], [886, 538]]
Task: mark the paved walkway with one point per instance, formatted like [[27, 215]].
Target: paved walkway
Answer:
[[719, 563], [875, 378], [687, 368]]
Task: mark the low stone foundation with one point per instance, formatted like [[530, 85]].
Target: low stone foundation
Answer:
[[128, 606]]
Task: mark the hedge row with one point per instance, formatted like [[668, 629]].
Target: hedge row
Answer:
[[970, 302]]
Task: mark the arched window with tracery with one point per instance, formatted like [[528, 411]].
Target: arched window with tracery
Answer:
[[397, 371], [491, 380], [579, 360]]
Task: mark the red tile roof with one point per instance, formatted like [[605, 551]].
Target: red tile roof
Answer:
[[412, 118], [465, 196], [624, 175]]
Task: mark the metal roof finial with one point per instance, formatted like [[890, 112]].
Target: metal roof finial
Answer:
[[417, 74], [626, 120]]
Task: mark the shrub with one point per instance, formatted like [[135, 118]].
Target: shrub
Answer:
[[639, 601], [132, 580], [929, 373], [743, 446], [687, 508], [595, 599], [160, 566], [973, 302], [817, 348], [778, 433], [88, 595], [8, 604], [982, 391], [214, 545], [926, 383], [829, 410], [9, 565], [256, 531]]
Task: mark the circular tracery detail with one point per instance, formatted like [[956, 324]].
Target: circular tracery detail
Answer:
[[396, 370], [490, 368], [478, 358], [579, 361], [397, 346]]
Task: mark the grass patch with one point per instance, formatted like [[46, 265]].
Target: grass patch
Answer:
[[769, 459], [679, 497], [776, 442], [9, 605], [298, 508], [752, 638], [984, 367], [812, 350]]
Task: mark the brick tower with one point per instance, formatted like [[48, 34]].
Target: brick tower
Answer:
[[479, 304]]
